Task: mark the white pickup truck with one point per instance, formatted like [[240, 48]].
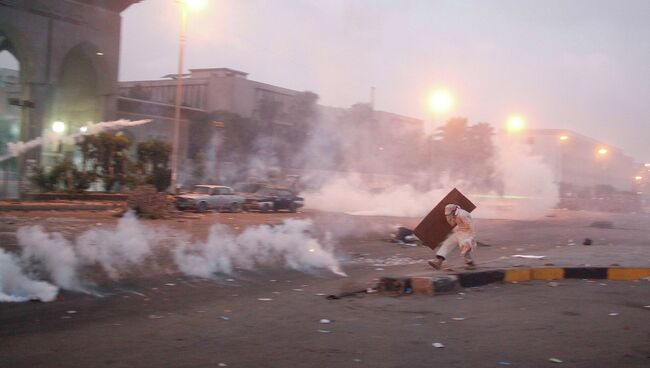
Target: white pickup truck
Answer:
[[210, 197]]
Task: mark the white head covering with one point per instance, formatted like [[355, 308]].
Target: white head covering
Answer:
[[451, 209]]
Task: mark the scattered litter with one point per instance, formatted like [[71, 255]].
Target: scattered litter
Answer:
[[154, 316], [553, 284], [602, 284], [72, 312], [225, 318], [357, 360], [297, 290], [320, 294], [223, 365], [458, 318], [273, 280], [379, 269], [264, 299], [443, 322], [437, 345], [325, 321], [154, 288], [587, 241], [527, 256], [323, 331], [275, 292], [555, 360], [371, 290], [461, 293], [170, 284], [614, 314]]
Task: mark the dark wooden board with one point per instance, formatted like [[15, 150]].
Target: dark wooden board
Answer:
[[433, 229]]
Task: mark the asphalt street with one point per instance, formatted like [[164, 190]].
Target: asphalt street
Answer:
[[277, 318]]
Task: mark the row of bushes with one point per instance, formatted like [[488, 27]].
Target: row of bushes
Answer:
[[105, 160]]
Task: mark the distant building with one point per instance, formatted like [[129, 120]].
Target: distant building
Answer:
[[579, 161]]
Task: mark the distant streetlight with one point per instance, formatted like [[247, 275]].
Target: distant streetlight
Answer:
[[647, 164], [441, 101], [564, 137], [638, 178], [58, 127], [516, 123], [185, 5], [602, 151]]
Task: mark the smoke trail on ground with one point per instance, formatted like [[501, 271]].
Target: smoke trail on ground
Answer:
[[16, 286], [288, 244], [132, 244], [18, 148]]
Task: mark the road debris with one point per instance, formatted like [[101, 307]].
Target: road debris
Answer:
[[325, 321], [71, 312], [437, 345], [614, 314], [458, 318], [555, 360], [155, 316], [504, 363], [223, 365], [225, 318], [527, 256], [264, 299], [587, 241], [170, 284], [297, 290], [553, 284], [323, 331]]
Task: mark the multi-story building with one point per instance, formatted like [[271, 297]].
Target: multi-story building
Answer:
[[581, 161]]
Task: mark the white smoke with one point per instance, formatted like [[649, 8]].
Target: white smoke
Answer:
[[117, 250], [130, 244], [528, 191], [288, 244], [51, 254], [15, 286], [18, 148]]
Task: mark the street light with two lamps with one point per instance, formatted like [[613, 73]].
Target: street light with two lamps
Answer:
[[184, 6]]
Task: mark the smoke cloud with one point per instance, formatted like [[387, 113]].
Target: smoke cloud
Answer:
[[18, 148], [131, 244], [527, 192]]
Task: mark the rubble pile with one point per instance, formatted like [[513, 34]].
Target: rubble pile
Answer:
[[147, 202]]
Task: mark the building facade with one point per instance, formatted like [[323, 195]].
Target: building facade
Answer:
[[67, 52]]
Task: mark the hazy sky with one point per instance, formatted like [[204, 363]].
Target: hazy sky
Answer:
[[577, 64]]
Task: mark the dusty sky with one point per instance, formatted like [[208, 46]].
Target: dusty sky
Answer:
[[581, 64]]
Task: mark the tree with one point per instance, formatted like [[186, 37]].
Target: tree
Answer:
[[106, 156], [153, 162]]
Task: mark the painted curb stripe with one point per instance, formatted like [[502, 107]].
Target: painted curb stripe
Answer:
[[627, 273], [472, 279], [547, 273], [517, 274], [585, 273]]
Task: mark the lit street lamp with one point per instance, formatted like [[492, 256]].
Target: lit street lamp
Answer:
[[515, 124], [602, 151], [184, 5]]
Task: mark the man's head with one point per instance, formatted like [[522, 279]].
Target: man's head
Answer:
[[450, 209]]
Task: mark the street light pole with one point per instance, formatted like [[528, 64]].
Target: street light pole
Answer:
[[179, 97]]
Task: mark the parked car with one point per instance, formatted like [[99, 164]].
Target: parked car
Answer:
[[273, 199], [210, 197]]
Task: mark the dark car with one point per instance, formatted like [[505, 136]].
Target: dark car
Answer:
[[273, 199]]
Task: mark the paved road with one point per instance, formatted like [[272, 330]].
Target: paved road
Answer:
[[161, 319]]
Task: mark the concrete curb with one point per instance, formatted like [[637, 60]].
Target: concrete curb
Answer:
[[445, 284], [60, 207]]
